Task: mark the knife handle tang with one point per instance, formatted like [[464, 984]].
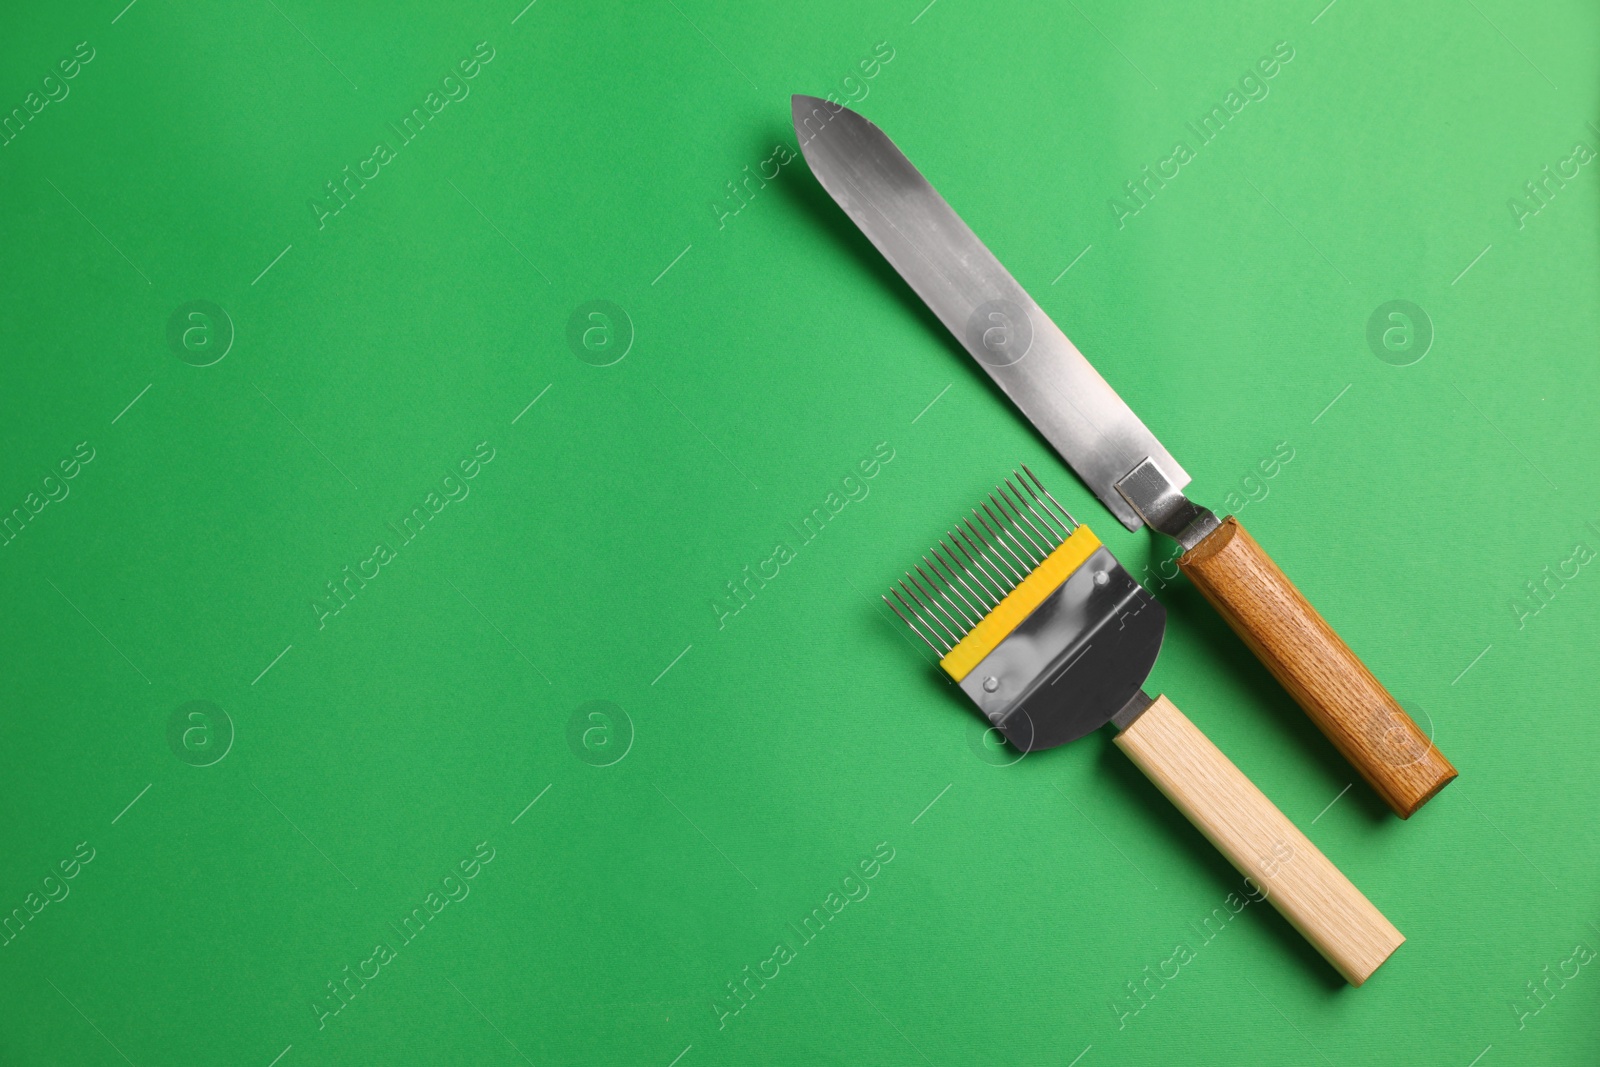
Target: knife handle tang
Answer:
[[1318, 669], [1285, 867]]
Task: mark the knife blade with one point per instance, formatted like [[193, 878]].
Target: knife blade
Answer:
[[1113, 452], [979, 302]]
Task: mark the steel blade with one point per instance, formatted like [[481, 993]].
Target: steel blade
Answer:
[[979, 301]]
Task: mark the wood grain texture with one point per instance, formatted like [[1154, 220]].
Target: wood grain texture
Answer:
[[1318, 669], [1260, 841]]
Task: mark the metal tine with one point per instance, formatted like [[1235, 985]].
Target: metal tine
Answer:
[[945, 600], [1019, 536], [998, 534], [935, 623], [953, 555], [940, 648], [914, 630], [1043, 513], [956, 571], [935, 611], [895, 592], [1017, 525], [1023, 508], [1000, 551], [979, 555], [943, 588], [956, 627], [987, 568], [1053, 500], [1008, 525], [994, 557], [951, 585], [1014, 543]]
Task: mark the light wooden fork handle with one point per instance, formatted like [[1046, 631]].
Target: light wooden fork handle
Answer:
[[1260, 841]]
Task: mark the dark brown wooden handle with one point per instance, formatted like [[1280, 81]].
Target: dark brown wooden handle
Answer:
[[1317, 668]]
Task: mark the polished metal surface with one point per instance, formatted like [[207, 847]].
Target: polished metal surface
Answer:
[[1136, 706], [1016, 343], [1075, 662], [1164, 507]]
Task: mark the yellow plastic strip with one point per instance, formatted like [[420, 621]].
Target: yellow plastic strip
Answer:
[[1019, 603]]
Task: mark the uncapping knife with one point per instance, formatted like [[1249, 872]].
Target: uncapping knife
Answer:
[[1120, 460]]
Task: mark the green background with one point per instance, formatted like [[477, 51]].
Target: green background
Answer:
[[771, 351]]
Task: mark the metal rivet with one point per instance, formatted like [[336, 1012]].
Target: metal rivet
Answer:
[[990, 684], [1101, 578]]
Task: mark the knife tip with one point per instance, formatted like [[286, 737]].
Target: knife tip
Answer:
[[813, 114], [801, 105]]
